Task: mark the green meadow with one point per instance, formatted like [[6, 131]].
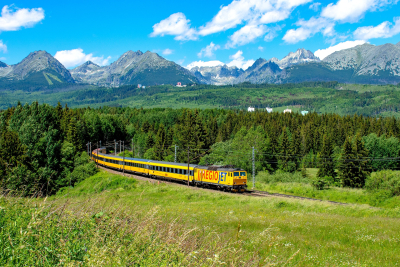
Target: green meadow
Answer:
[[111, 220], [297, 185]]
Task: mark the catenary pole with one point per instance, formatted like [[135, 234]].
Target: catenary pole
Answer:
[[120, 144], [123, 160], [175, 154], [97, 158], [133, 153], [188, 166], [254, 171], [115, 145]]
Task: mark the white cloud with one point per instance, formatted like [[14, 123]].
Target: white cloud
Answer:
[[208, 51], [246, 35], [213, 63], [353, 10], [75, 57], [167, 51], [308, 28], [13, 19], [3, 47], [272, 33], [2, 58], [275, 16], [254, 14], [238, 61], [323, 53], [228, 17], [341, 12], [261, 48], [315, 6], [384, 30], [176, 25]]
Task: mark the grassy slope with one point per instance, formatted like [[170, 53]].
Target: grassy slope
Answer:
[[298, 186], [274, 229]]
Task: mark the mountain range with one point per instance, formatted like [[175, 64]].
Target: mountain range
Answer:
[[361, 64]]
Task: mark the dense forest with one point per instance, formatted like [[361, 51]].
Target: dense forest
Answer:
[[43, 148]]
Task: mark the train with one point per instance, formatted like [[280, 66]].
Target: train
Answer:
[[226, 178]]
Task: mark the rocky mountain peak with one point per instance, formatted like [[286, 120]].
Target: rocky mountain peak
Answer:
[[300, 56], [38, 61], [274, 59], [259, 62], [88, 63], [3, 65], [88, 66]]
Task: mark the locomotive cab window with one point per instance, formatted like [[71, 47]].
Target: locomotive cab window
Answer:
[[236, 174]]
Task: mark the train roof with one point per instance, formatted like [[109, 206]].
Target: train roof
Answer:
[[219, 168], [213, 167], [174, 163], [149, 161], [126, 158]]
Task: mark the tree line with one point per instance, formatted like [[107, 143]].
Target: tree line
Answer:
[[43, 147]]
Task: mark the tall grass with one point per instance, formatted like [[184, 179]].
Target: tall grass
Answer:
[[109, 220], [281, 177], [43, 233]]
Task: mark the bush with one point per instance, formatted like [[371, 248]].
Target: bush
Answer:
[[320, 183], [83, 169], [333, 181], [388, 181]]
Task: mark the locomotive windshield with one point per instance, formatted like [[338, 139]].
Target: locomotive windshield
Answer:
[[242, 173], [236, 174]]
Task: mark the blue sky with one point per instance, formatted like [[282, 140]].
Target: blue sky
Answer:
[[187, 32]]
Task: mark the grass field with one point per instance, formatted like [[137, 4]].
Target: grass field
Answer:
[[112, 220], [295, 184]]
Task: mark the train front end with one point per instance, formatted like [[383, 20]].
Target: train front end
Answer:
[[239, 181]]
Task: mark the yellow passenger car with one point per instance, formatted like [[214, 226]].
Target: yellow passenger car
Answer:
[[218, 177]]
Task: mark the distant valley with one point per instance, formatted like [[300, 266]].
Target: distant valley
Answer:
[[362, 64]]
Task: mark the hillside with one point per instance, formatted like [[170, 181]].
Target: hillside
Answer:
[[368, 100]]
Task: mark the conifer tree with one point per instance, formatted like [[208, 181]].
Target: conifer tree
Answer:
[[353, 169], [346, 165], [12, 151], [285, 162], [159, 146], [362, 169], [149, 140], [327, 165]]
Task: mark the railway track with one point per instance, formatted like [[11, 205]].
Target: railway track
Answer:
[[253, 193], [256, 193]]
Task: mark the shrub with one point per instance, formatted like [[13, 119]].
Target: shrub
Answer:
[[320, 183], [388, 181]]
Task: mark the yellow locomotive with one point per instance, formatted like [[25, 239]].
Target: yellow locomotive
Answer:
[[224, 178]]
